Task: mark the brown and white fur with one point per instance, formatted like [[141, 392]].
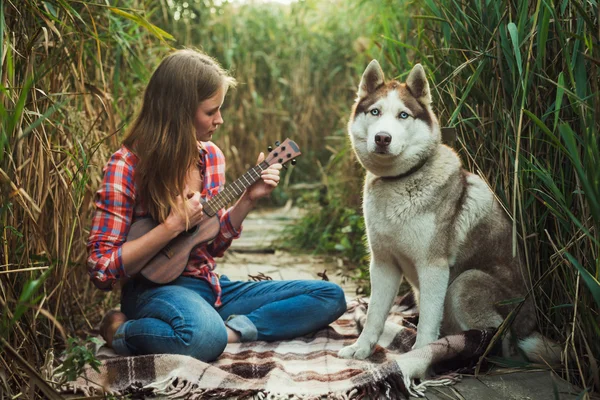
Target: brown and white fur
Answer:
[[431, 222]]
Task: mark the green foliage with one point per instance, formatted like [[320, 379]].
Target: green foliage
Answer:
[[78, 354], [12, 314], [333, 229], [334, 223], [26, 298]]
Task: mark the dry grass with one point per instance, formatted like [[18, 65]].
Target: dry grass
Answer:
[[62, 106]]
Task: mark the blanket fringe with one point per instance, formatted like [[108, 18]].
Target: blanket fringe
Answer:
[[418, 390], [87, 390], [391, 387], [164, 385], [394, 386], [174, 387]]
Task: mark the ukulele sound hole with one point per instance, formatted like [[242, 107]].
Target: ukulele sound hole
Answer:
[[192, 231]]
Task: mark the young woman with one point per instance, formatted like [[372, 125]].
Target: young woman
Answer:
[[165, 166]]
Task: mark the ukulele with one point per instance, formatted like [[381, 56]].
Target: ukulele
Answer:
[[168, 264]]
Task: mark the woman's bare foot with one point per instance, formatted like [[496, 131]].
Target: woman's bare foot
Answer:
[[110, 323]]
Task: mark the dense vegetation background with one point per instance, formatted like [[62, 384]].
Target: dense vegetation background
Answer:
[[518, 79]]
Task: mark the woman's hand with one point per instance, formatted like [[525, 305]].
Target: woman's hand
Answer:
[[176, 220], [269, 181], [262, 188]]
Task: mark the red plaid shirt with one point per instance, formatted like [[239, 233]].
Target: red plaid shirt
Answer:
[[117, 207]]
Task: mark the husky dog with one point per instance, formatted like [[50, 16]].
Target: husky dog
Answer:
[[433, 223]]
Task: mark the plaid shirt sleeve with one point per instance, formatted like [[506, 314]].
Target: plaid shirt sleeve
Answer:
[[115, 201], [215, 175], [223, 240]]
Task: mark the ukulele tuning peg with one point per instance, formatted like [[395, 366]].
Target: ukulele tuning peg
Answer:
[[270, 148], [294, 161], [277, 143]]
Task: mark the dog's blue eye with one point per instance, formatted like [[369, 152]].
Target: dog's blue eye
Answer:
[[403, 115], [375, 111]]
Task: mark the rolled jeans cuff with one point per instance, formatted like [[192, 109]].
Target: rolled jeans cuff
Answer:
[[118, 344], [242, 325]]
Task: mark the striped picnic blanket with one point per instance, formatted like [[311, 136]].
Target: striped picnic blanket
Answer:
[[303, 368]]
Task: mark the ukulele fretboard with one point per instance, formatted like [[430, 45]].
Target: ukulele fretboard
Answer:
[[233, 190]]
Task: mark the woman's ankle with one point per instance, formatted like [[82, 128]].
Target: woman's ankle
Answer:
[[232, 336], [110, 323]]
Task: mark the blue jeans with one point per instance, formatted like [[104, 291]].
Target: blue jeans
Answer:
[[180, 317]]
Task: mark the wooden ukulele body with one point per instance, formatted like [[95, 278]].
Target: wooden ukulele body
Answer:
[[168, 264]]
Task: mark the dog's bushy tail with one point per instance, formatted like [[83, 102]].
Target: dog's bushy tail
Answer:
[[540, 349]]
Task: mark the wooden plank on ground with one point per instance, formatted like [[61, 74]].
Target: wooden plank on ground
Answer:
[[536, 385]]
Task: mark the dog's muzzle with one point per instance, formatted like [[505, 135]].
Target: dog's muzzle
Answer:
[[382, 141]]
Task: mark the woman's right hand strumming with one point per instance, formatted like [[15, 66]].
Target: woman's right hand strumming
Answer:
[[138, 252], [176, 221]]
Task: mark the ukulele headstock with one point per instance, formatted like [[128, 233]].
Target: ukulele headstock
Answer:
[[283, 152]]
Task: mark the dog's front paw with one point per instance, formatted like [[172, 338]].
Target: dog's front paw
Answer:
[[423, 340], [356, 351]]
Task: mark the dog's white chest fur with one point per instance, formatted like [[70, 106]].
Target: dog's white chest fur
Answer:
[[397, 225]]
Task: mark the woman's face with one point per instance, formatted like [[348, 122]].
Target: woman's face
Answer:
[[208, 116]]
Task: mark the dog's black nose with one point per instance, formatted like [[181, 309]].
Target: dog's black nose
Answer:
[[383, 139]]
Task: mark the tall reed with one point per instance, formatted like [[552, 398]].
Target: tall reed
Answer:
[[62, 106], [519, 80]]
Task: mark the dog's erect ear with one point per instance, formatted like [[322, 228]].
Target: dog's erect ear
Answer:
[[372, 78], [418, 85]]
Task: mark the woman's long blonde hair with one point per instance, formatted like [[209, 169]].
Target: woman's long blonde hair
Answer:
[[163, 134]]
